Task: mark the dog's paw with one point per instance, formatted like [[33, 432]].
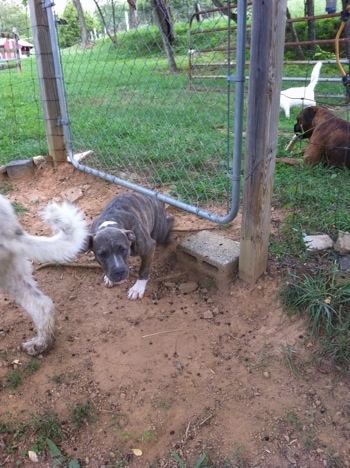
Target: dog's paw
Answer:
[[110, 283], [138, 290], [37, 345]]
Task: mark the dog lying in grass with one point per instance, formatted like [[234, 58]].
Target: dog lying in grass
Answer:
[[17, 248], [328, 135]]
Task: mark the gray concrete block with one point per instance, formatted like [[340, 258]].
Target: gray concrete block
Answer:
[[210, 257], [20, 169]]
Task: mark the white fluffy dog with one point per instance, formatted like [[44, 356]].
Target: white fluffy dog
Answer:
[[301, 96], [17, 247]]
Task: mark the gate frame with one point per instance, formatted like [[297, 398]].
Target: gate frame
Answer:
[[62, 120]]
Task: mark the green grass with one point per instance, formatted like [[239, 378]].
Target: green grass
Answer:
[[43, 433], [46, 426], [316, 200], [323, 299], [82, 413], [15, 377]]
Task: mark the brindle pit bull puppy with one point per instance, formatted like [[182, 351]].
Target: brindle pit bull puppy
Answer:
[[329, 138], [131, 224]]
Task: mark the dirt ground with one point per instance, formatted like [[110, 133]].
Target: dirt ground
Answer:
[[177, 376]]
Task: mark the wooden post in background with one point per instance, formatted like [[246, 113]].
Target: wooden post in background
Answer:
[[266, 64], [47, 81]]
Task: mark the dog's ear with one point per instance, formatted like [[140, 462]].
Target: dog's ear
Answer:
[[309, 114], [130, 235]]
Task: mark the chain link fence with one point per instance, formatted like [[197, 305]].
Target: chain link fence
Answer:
[[177, 134], [146, 127]]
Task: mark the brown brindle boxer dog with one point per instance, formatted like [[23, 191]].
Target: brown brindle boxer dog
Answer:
[[329, 138]]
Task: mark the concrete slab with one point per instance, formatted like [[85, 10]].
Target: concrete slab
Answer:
[[210, 257], [20, 169]]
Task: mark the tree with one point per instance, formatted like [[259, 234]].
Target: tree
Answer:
[[311, 29], [132, 14], [107, 14], [165, 23], [83, 28], [12, 14], [291, 27], [70, 33]]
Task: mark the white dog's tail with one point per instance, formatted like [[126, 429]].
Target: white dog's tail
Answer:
[[70, 233], [315, 76]]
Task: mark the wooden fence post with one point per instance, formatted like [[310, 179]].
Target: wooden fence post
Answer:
[[266, 64], [47, 81]]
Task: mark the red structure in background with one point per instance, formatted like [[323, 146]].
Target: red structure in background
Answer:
[[8, 48]]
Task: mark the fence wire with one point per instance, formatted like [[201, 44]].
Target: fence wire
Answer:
[[142, 124], [171, 132]]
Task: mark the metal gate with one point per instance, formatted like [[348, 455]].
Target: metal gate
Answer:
[[145, 128]]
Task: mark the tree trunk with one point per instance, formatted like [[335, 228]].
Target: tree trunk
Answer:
[[293, 32], [133, 14], [311, 28], [166, 29], [83, 28], [113, 39]]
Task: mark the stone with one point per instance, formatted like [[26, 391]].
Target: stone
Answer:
[[187, 288], [342, 244], [318, 242], [73, 194]]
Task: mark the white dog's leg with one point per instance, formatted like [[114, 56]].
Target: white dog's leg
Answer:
[[41, 309]]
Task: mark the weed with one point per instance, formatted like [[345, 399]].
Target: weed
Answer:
[[46, 426], [32, 366], [294, 421], [14, 433], [310, 439], [4, 355], [5, 188], [202, 462], [238, 458], [19, 209], [13, 379], [325, 302], [120, 420], [334, 461], [289, 355], [58, 458], [148, 436], [128, 435], [179, 460], [81, 412], [158, 401], [56, 379]]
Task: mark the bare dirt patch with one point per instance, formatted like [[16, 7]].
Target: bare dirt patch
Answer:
[[240, 388]]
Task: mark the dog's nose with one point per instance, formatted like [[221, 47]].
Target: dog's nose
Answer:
[[297, 128], [118, 274]]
